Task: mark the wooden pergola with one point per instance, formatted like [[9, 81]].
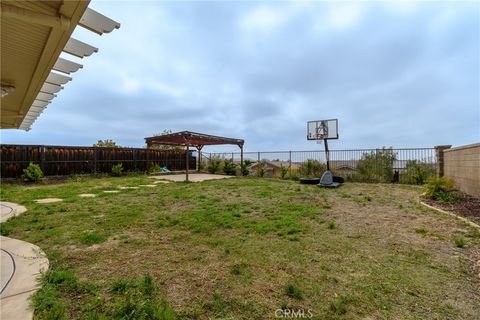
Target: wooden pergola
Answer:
[[194, 139]]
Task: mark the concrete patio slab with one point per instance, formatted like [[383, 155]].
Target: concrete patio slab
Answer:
[[9, 209], [21, 265], [48, 200], [194, 177]]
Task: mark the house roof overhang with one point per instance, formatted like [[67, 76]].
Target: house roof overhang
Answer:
[[33, 35]]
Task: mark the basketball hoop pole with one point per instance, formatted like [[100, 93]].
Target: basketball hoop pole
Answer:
[[327, 154]]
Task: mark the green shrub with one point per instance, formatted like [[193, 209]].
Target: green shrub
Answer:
[[439, 188], [229, 167], [214, 165], [247, 162], [312, 169], [261, 169], [332, 225], [32, 172], [245, 171], [295, 177], [417, 172], [376, 166], [283, 171], [117, 170], [154, 169]]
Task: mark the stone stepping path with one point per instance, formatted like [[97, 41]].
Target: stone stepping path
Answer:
[[48, 200], [92, 195]]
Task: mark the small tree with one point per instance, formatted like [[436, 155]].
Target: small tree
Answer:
[[418, 172], [214, 165], [312, 168], [106, 144], [261, 168], [33, 172], [377, 166], [283, 171], [117, 170], [229, 167]]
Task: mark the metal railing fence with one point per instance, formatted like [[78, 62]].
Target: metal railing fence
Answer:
[[406, 165]]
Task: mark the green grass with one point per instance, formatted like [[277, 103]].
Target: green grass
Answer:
[[242, 248], [459, 242]]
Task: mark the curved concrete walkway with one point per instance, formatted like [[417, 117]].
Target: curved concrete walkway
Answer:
[[21, 264]]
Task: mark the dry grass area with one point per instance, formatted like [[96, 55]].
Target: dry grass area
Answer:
[[245, 248]]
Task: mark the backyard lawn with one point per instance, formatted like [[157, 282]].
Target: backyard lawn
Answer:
[[246, 248]]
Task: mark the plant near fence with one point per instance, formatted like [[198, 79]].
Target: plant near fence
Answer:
[[283, 171], [261, 168], [417, 172], [33, 172], [440, 188], [214, 165], [376, 166], [117, 170], [229, 168], [312, 169]]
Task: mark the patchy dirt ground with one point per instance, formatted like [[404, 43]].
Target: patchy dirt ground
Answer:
[[243, 248], [466, 206]]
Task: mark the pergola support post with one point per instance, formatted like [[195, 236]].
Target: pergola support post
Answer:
[[199, 160], [186, 162], [241, 159]]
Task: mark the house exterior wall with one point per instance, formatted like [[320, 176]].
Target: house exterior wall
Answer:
[[462, 164]]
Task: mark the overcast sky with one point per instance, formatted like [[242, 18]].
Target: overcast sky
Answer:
[[394, 74]]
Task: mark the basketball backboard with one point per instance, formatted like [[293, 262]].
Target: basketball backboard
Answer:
[[322, 129]]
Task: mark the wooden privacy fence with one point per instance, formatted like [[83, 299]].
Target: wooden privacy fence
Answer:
[[66, 160]]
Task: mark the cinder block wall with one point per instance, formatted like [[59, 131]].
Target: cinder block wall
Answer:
[[462, 164]]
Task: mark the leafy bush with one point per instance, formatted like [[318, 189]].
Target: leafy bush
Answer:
[[247, 162], [283, 171], [117, 170], [32, 172], [439, 188], [261, 168], [229, 167], [377, 166], [312, 169], [295, 177], [245, 171], [417, 172], [214, 165], [154, 169]]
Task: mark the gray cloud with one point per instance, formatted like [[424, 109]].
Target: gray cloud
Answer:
[[402, 76]]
